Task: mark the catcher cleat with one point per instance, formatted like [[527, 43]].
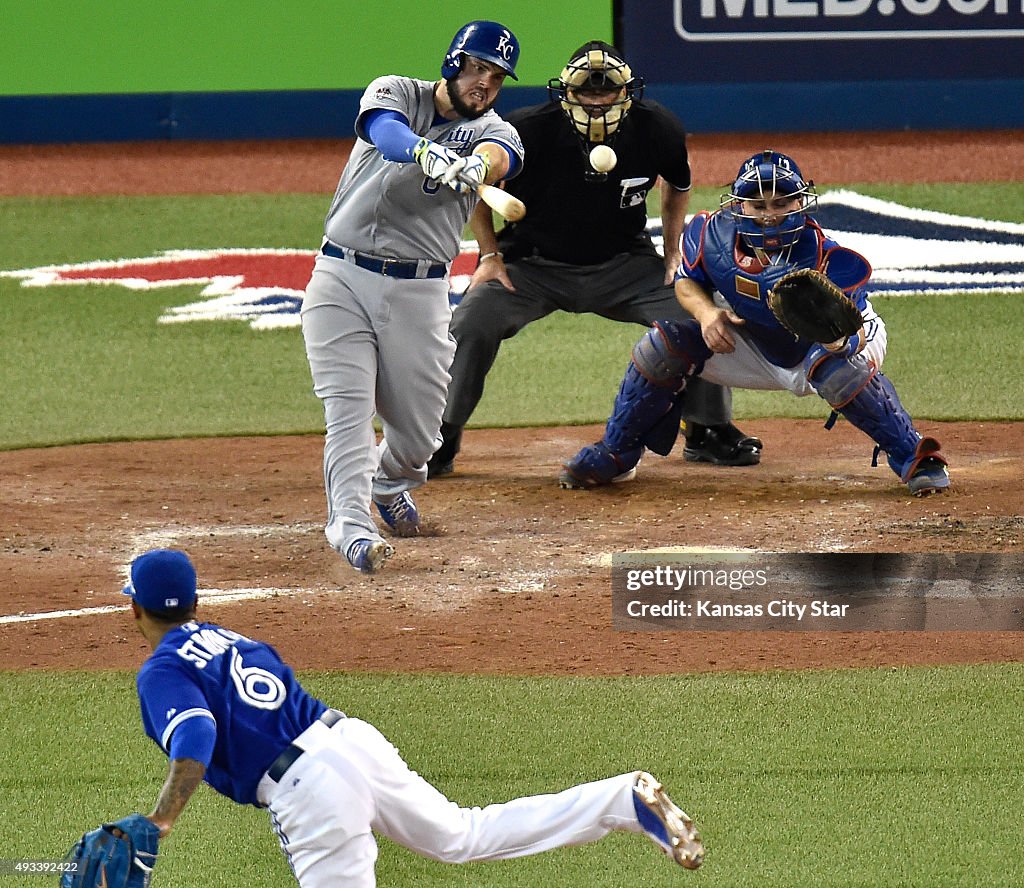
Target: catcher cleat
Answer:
[[400, 515], [721, 445], [924, 472], [666, 824], [568, 481], [931, 477], [597, 465], [368, 556]]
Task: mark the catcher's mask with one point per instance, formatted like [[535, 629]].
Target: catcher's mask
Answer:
[[490, 41], [766, 176], [596, 68]]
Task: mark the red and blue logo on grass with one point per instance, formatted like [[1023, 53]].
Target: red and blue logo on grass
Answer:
[[912, 251]]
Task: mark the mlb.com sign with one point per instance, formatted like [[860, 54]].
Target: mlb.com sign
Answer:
[[736, 20]]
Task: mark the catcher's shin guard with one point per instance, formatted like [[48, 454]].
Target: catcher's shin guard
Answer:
[[867, 398], [664, 357], [649, 403], [662, 360]]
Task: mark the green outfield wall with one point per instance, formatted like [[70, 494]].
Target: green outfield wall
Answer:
[[124, 70], [66, 47]]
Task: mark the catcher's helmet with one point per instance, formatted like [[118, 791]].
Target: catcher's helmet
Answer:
[[765, 176], [595, 67], [489, 41]]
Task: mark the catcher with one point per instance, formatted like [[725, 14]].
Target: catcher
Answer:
[[777, 305]]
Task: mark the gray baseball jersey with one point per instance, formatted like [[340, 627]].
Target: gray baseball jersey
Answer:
[[391, 209]]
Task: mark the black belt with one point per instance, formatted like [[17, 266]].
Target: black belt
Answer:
[[291, 755], [398, 268]]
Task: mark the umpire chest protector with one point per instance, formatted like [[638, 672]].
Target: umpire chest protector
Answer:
[[581, 222], [711, 245]]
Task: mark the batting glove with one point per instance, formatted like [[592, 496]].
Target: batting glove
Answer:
[[467, 173], [433, 159]]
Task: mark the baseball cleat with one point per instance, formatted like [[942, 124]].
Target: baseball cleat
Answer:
[[721, 445], [368, 556], [400, 515], [666, 824], [931, 476], [596, 465], [568, 481], [925, 471]]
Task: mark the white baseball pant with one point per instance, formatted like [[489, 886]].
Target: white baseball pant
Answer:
[[351, 782], [747, 368]]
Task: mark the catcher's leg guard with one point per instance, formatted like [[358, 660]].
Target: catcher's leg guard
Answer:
[[662, 360], [866, 397]]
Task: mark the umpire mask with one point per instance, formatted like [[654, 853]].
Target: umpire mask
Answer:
[[596, 73]]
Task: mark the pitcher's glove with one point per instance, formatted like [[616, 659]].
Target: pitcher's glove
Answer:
[[117, 855], [811, 307]]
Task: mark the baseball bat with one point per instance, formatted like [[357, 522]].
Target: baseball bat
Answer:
[[506, 205]]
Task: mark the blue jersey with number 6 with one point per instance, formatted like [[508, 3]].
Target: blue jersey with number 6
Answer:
[[201, 670]]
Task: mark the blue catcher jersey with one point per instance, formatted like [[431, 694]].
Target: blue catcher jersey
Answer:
[[712, 256], [201, 670]]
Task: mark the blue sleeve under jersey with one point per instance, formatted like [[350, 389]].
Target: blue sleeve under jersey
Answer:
[[194, 739], [389, 131]]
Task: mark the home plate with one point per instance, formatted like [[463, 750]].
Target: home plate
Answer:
[[605, 558]]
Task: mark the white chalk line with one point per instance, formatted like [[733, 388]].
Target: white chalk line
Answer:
[[150, 539], [206, 597]]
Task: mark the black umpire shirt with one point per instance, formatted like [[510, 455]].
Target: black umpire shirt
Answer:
[[570, 219]]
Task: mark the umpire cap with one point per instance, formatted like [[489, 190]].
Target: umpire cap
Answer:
[[162, 580]]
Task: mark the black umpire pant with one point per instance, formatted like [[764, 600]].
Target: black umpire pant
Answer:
[[626, 288]]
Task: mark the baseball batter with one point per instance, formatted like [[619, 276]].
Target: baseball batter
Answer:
[[731, 260], [226, 709], [375, 313]]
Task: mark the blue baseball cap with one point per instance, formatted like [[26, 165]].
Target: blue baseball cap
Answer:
[[162, 579]]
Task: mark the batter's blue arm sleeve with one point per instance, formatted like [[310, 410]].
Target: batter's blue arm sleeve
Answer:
[[389, 131], [194, 739]]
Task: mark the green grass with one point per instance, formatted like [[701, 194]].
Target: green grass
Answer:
[[822, 778], [90, 363]]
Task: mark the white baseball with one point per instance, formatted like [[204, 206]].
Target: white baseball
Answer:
[[602, 158]]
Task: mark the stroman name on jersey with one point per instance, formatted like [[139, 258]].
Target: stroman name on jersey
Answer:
[[203, 645]]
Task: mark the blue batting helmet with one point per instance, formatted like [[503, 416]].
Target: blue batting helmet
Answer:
[[764, 176], [490, 41]]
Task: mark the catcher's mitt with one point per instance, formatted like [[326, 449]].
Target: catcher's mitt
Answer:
[[106, 860], [811, 307]]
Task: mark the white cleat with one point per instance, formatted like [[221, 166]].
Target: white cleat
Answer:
[[666, 824]]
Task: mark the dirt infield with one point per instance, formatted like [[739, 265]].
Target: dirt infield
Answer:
[[519, 581]]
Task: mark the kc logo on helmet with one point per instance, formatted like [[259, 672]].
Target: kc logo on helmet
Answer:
[[505, 49]]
